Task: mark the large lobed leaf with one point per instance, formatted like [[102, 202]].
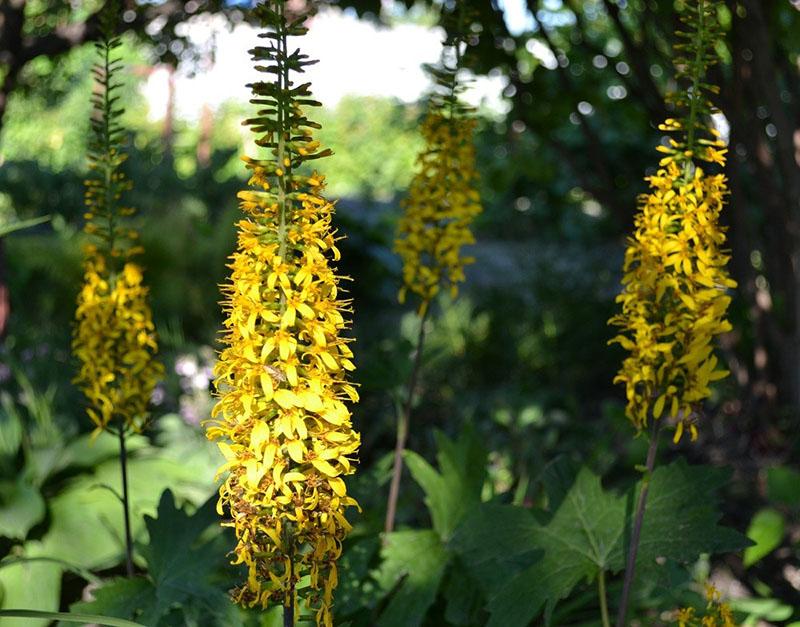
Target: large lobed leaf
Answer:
[[182, 567], [414, 562], [21, 507], [455, 489], [587, 533]]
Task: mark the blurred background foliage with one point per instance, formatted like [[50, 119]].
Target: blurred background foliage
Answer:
[[520, 361]]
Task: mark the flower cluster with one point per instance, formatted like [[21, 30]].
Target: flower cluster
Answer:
[[717, 614], [115, 343], [673, 299], [282, 420], [674, 296], [442, 202], [114, 337]]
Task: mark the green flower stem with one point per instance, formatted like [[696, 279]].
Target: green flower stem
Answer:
[[123, 461], [601, 591], [697, 71], [633, 548], [403, 425]]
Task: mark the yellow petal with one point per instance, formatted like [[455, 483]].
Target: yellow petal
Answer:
[[324, 467], [266, 385], [286, 398], [296, 450], [258, 436], [337, 485]]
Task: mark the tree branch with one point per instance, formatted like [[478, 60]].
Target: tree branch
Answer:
[[637, 56], [593, 142]]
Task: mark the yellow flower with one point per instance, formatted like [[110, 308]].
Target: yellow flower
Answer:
[[674, 297], [717, 614], [282, 420], [441, 205], [114, 337], [115, 344]]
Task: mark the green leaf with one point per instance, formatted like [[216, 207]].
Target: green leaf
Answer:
[[583, 537], [413, 565], [31, 585], [70, 618], [21, 507], [182, 569], [766, 529], [87, 525], [681, 520], [87, 450], [121, 597], [7, 229], [542, 563], [172, 554], [464, 597], [557, 478], [456, 488], [764, 609], [356, 589], [783, 486], [497, 538]]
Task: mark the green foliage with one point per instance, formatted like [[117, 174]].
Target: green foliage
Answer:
[[360, 166], [64, 617], [6, 229], [79, 475], [182, 567], [783, 486], [766, 530], [283, 104], [21, 507], [682, 518], [755, 611], [522, 357], [588, 533], [455, 489], [412, 567], [695, 54], [414, 563], [30, 585]]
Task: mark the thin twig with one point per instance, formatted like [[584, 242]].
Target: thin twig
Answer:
[[123, 461], [403, 421], [633, 549]]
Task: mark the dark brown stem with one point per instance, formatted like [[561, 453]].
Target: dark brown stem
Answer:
[[403, 424], [633, 549], [123, 461]]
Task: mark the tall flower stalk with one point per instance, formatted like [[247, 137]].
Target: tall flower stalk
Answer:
[[282, 420], [674, 297], [441, 205], [114, 336]]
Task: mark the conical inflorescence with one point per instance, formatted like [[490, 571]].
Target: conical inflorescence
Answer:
[[282, 419], [114, 337], [443, 199], [674, 297]]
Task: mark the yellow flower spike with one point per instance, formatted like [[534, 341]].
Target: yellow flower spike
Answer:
[[114, 336], [674, 300], [279, 377], [441, 205]]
